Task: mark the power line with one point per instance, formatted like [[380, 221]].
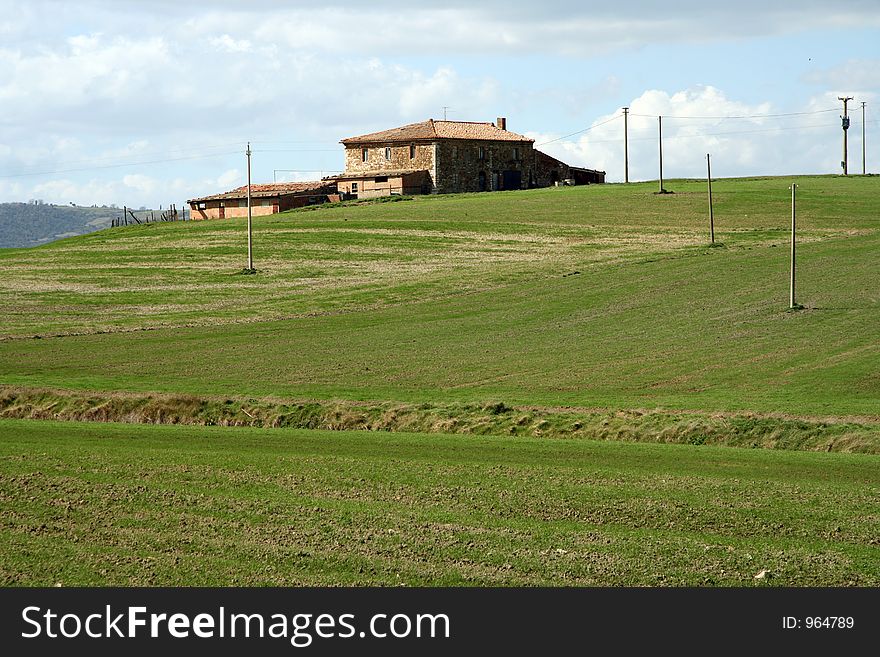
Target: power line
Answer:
[[169, 151], [193, 154], [118, 165], [741, 116], [334, 143], [613, 118], [717, 134]]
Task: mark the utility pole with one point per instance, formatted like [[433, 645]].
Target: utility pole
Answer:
[[845, 122], [864, 171], [792, 303], [626, 145], [660, 140], [250, 246], [711, 214]]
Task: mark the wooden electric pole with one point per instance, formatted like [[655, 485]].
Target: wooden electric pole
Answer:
[[845, 122], [626, 144], [250, 245], [660, 140], [792, 303], [711, 213], [864, 171]]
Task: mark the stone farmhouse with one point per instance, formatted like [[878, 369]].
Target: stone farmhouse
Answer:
[[431, 157], [440, 157]]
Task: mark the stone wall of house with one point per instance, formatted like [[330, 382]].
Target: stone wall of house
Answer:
[[256, 210], [418, 182], [399, 157], [232, 208], [459, 164], [259, 206], [549, 170], [455, 165]]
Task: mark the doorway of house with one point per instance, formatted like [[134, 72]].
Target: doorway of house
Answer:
[[511, 180]]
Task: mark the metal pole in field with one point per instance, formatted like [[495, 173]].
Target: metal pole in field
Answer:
[[791, 296], [864, 171], [660, 139], [250, 245], [626, 143], [711, 214]]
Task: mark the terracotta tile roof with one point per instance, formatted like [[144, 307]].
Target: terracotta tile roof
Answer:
[[274, 189], [433, 129], [391, 173]]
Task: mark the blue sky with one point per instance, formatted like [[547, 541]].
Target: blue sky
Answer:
[[147, 103]]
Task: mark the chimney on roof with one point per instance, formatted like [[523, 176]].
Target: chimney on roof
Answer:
[[501, 123]]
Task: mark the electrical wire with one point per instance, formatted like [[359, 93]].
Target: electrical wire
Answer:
[[581, 131], [115, 166], [741, 116], [187, 154]]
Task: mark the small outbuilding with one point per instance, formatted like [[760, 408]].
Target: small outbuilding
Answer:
[[265, 199]]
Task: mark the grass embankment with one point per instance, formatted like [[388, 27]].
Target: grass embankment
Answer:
[[103, 504], [736, 430]]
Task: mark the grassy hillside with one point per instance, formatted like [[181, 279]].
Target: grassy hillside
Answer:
[[143, 505], [358, 257], [601, 296]]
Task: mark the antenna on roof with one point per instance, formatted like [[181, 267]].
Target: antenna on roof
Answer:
[[444, 111]]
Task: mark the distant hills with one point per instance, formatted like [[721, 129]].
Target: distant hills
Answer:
[[34, 223]]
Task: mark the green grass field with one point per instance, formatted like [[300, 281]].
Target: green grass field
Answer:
[[466, 299], [114, 504], [548, 318]]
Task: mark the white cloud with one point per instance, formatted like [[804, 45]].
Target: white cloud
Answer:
[[564, 28], [140, 182], [852, 75], [229, 178], [228, 44], [65, 191], [103, 83], [692, 127], [88, 71]]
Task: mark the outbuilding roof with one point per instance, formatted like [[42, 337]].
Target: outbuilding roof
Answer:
[[272, 189], [433, 129], [388, 173]]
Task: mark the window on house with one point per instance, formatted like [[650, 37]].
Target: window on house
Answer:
[[454, 151], [482, 153], [387, 152], [412, 151], [365, 154], [379, 179], [203, 205], [354, 188], [515, 153]]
